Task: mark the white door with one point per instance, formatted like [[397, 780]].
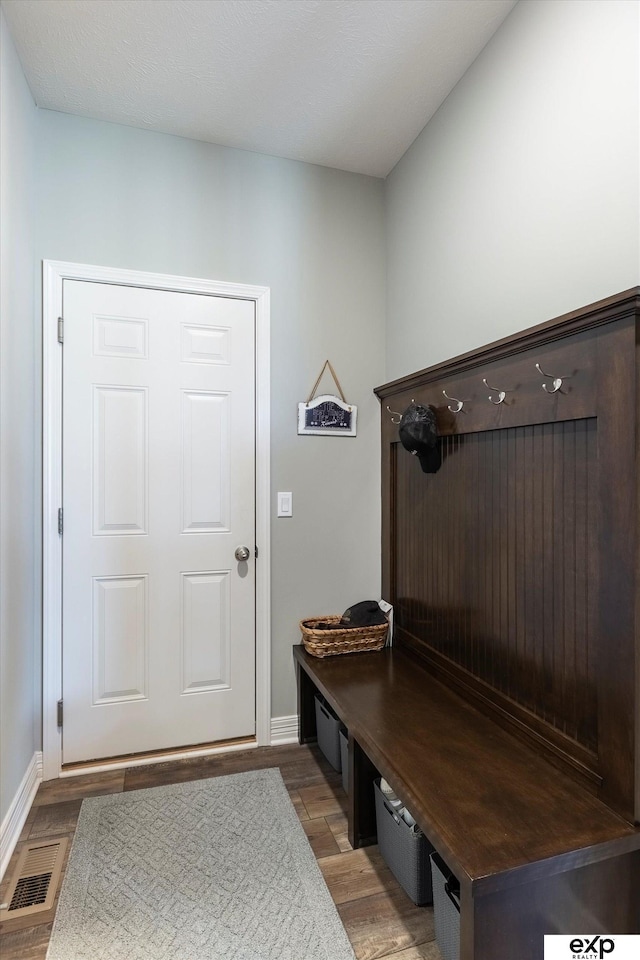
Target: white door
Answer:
[[158, 615]]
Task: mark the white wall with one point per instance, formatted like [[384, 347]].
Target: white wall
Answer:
[[19, 527], [520, 199], [117, 196]]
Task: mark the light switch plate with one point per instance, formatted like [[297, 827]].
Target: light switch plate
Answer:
[[285, 504]]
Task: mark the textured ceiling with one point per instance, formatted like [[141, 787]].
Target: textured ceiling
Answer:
[[343, 83]]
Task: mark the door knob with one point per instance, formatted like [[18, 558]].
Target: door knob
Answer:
[[242, 553]]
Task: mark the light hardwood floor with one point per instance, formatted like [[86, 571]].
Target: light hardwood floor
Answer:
[[379, 918]]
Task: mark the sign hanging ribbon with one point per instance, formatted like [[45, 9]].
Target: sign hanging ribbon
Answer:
[[327, 363]]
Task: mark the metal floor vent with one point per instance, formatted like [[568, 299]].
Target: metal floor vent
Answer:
[[35, 879]]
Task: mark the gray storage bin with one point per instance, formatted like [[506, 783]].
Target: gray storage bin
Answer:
[[328, 732], [405, 851], [446, 908], [344, 758]]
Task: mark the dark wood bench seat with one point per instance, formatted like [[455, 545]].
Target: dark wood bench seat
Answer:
[[535, 851]]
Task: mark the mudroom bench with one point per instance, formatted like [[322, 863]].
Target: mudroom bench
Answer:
[[534, 852], [506, 715]]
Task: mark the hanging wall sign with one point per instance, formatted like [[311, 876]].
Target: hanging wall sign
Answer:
[[327, 415]]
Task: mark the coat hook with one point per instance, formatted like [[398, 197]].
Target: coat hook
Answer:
[[557, 381], [460, 403], [394, 413], [501, 393]]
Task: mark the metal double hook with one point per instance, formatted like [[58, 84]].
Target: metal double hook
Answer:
[[394, 413], [501, 393], [557, 381], [459, 403]]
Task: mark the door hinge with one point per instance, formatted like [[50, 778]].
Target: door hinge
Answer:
[[59, 706], [60, 330], [60, 521], [256, 553]]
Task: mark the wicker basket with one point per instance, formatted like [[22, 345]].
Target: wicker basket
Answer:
[[328, 643]]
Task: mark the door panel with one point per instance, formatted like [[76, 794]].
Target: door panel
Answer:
[[120, 639], [205, 462], [120, 461], [205, 631], [158, 491]]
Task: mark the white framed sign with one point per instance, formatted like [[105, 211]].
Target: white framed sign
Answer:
[[327, 416]]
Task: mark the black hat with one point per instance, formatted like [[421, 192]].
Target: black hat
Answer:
[[419, 435], [367, 613]]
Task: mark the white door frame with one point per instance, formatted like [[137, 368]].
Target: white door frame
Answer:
[[53, 274]]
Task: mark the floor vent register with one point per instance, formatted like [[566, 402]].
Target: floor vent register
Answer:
[[35, 879]]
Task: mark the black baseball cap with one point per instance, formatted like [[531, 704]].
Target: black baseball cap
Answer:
[[366, 613], [419, 435]]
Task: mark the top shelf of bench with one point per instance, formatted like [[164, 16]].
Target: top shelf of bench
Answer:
[[488, 803]]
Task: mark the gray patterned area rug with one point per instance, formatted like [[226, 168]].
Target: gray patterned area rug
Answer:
[[216, 869]]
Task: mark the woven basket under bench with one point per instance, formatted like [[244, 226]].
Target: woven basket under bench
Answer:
[[328, 643]]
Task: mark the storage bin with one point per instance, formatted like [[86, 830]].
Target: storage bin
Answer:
[[328, 733], [405, 851], [344, 758], [446, 908]]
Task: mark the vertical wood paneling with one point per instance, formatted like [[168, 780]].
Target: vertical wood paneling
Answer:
[[512, 541], [554, 625], [485, 526], [558, 575], [552, 637], [496, 566], [570, 510]]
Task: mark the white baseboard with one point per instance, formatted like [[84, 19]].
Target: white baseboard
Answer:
[[284, 729], [18, 811]]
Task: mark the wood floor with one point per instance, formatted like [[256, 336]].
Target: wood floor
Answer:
[[379, 918]]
